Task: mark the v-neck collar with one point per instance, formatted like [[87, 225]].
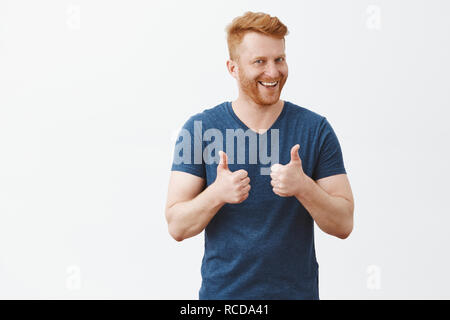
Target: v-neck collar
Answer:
[[229, 107]]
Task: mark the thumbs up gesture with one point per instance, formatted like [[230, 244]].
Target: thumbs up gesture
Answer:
[[232, 187], [287, 180]]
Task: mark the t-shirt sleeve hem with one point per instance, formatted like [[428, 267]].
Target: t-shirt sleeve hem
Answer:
[[330, 173], [189, 170]]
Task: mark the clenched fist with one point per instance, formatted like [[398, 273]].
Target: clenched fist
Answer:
[[288, 180], [232, 187]]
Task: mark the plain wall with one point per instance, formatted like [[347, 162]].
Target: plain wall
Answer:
[[92, 94]]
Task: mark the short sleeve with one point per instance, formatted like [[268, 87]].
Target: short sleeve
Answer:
[[188, 153], [330, 160]]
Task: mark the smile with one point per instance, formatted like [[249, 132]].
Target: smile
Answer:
[[268, 84]]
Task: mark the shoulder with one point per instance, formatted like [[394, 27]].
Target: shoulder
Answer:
[[208, 115], [304, 115]]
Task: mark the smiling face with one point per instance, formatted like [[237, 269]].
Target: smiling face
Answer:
[[261, 69]]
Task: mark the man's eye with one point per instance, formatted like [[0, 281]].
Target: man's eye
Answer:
[[280, 59], [258, 61]]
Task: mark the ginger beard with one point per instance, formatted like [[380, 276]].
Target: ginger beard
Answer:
[[260, 94]]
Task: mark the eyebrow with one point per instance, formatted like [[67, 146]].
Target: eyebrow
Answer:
[[261, 57]]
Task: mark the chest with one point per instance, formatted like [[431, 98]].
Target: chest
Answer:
[[256, 153]]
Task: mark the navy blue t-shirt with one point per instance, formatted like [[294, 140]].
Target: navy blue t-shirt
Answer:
[[262, 248]]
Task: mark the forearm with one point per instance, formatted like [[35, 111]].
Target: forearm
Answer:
[[333, 214], [189, 218]]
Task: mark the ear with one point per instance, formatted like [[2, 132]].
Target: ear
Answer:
[[233, 68]]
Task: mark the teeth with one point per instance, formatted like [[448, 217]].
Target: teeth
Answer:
[[269, 83]]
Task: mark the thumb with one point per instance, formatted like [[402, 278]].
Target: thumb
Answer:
[[223, 164], [294, 153]]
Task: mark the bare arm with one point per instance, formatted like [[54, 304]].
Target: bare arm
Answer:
[[189, 206], [330, 203]]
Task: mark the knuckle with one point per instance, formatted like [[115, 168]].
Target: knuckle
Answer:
[[241, 173]]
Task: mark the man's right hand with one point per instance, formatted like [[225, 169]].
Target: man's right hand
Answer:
[[231, 187]]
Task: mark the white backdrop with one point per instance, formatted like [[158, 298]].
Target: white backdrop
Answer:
[[93, 92]]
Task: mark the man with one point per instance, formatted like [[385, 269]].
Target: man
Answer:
[[258, 220]]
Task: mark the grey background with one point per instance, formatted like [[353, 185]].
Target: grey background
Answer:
[[92, 94]]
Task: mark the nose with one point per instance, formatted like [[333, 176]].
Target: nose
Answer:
[[272, 71]]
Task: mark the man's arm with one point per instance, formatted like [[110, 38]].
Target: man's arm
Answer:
[[190, 207], [330, 203]]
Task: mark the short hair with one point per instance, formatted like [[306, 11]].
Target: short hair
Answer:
[[252, 21]]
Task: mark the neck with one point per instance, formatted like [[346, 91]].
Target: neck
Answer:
[[257, 117]]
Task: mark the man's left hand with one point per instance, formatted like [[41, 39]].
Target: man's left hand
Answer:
[[289, 180]]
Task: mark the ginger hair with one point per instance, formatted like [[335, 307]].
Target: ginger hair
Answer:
[[252, 21]]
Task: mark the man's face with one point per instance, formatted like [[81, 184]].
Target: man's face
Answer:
[[262, 63]]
